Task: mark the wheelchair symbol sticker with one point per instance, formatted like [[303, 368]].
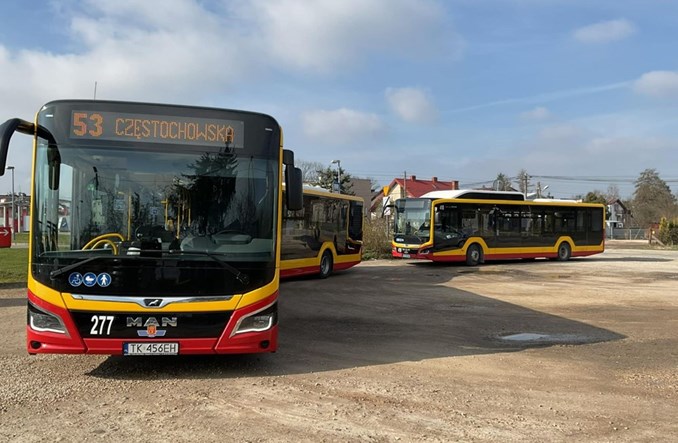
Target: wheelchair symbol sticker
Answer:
[[75, 279]]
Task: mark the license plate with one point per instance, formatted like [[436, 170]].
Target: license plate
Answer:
[[406, 255], [158, 348]]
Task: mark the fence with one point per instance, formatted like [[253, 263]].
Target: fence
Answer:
[[627, 234]]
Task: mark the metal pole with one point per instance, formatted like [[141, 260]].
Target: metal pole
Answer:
[[13, 210], [338, 162]]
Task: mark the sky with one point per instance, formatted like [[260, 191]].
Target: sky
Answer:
[[581, 94]]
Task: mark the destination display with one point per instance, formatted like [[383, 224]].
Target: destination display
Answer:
[[150, 128]]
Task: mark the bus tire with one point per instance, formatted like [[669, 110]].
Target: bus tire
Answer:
[[564, 251], [474, 255], [326, 264]]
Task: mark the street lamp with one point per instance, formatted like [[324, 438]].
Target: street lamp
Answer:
[[338, 163], [11, 168]]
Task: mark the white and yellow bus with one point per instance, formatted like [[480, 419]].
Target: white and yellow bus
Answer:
[[476, 226], [324, 236]]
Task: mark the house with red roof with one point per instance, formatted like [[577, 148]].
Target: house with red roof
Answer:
[[411, 187]]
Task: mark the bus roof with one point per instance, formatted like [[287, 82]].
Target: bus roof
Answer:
[[477, 194]]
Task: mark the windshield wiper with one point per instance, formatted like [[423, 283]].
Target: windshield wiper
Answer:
[[72, 266], [241, 277]]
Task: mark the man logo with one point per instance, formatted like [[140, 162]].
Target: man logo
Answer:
[[153, 302], [151, 324]]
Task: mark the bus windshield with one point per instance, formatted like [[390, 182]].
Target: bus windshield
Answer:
[[412, 219], [155, 206]]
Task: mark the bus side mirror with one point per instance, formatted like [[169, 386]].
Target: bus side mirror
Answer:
[[294, 188], [288, 157], [7, 129], [12, 125]]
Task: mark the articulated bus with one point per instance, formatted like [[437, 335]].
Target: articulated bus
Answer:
[[325, 235], [475, 226], [173, 243]]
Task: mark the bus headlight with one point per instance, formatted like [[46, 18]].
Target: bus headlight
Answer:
[[258, 321], [43, 321]]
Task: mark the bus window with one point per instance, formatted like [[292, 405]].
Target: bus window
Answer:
[[469, 221]]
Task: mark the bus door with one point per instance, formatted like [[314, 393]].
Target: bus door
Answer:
[[531, 221], [507, 220], [565, 224], [447, 227], [355, 227]]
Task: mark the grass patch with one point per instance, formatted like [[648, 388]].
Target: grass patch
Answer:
[[13, 265], [21, 237]]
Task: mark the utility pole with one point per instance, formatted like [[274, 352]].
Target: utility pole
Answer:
[[13, 208], [338, 163], [526, 184], [405, 184]]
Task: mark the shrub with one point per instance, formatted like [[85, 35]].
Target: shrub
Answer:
[[376, 239], [668, 231]]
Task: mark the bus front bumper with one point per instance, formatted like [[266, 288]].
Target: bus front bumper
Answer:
[[411, 253], [48, 340]]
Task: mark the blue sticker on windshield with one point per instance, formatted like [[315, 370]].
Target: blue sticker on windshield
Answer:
[[75, 279], [103, 279], [90, 279]]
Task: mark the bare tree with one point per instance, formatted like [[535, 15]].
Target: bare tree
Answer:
[[523, 179], [612, 193], [310, 171]]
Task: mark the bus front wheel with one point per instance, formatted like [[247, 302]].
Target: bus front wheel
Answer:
[[474, 255], [564, 251], [326, 263]]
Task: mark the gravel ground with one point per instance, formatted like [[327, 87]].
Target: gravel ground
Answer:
[[390, 351]]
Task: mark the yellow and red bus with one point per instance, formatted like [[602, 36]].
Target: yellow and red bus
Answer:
[[325, 235], [173, 237], [475, 226]]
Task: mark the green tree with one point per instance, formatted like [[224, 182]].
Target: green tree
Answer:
[[328, 176], [652, 199], [595, 196], [668, 231], [502, 183]]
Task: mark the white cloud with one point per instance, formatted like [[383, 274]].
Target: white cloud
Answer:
[[190, 51], [323, 35], [605, 32], [616, 146], [341, 125], [562, 134], [412, 104], [536, 114], [183, 51], [661, 84]]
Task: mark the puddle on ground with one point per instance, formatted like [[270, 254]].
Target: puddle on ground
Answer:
[[532, 337]]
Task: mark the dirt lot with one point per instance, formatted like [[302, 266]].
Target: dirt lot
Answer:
[[391, 351]]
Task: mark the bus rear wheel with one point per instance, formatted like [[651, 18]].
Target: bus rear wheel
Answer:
[[474, 255], [326, 264], [564, 251]]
